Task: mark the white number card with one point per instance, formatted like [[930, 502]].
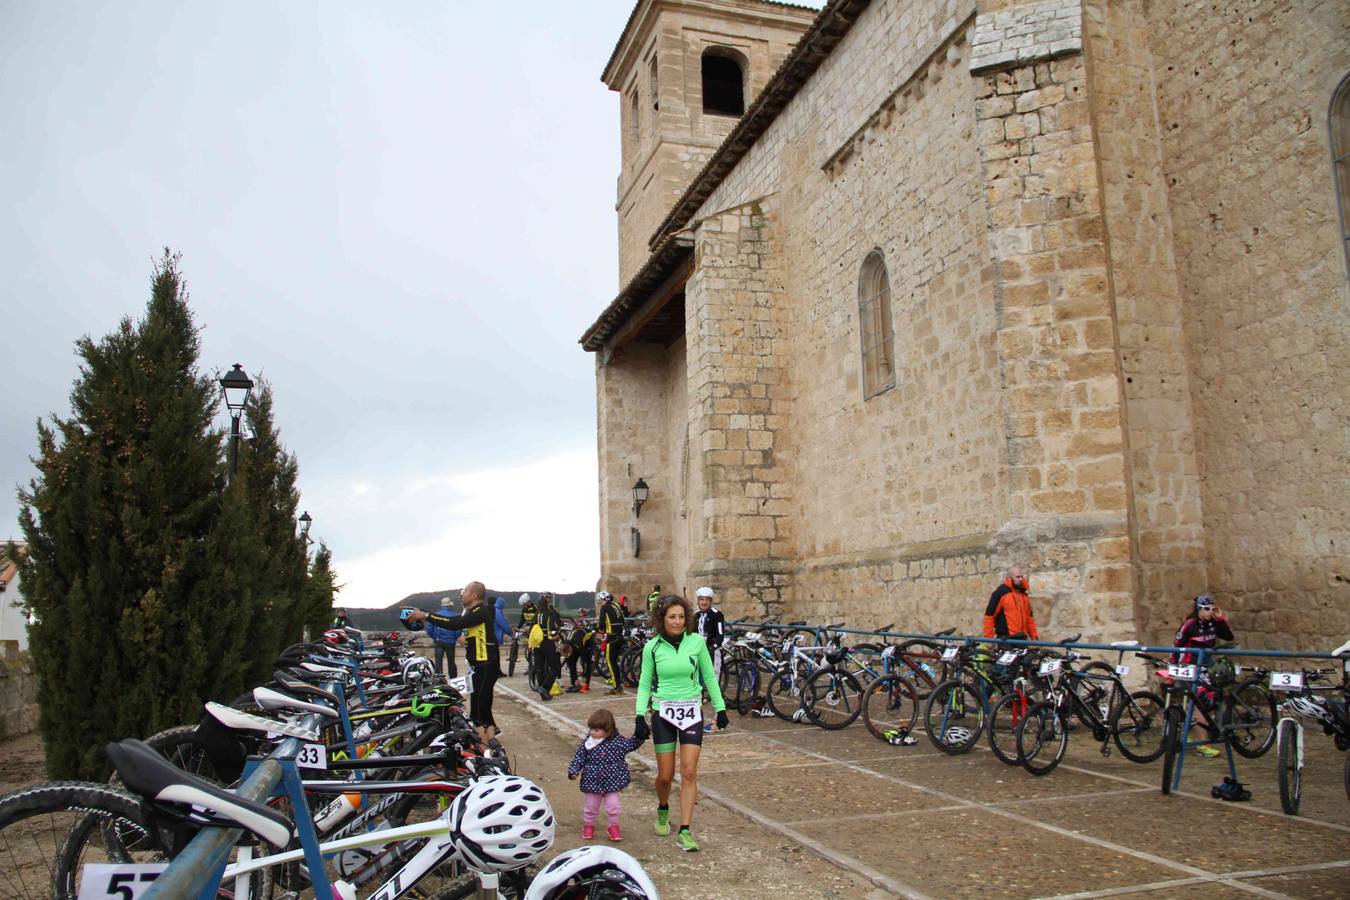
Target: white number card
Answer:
[[752, 636], [1050, 666], [312, 756], [1008, 657], [1122, 670], [122, 881], [1181, 673], [681, 713], [460, 684], [1286, 681], [950, 654]]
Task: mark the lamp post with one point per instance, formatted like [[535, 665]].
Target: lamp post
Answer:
[[236, 386], [640, 493], [306, 520]]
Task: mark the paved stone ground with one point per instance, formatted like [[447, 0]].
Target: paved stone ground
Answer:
[[776, 799]]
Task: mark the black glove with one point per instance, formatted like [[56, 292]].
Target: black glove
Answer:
[[722, 723], [641, 731]]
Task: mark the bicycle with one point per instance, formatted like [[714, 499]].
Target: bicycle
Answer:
[[1043, 734], [1303, 702]]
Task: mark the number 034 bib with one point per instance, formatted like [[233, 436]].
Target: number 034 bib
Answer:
[[680, 713]]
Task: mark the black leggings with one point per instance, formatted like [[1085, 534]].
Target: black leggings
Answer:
[[614, 653], [480, 699], [585, 660]]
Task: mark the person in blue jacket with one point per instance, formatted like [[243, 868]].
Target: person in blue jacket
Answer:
[[504, 631], [444, 640]]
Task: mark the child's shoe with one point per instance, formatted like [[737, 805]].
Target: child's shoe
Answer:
[[614, 834], [587, 832]]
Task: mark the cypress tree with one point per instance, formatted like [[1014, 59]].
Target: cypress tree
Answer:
[[321, 588], [127, 523]]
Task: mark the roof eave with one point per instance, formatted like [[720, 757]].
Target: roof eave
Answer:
[[664, 260]]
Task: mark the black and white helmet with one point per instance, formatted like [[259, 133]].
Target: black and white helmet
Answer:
[[592, 873], [604, 597], [417, 671], [500, 823]]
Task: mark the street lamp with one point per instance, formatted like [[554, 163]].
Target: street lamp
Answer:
[[236, 386], [306, 520], [640, 492]]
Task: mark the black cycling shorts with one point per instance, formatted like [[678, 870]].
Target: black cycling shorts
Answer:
[[665, 735]]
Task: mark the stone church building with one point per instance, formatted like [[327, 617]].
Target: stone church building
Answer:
[[916, 289]]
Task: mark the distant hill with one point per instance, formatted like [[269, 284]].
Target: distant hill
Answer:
[[387, 619]]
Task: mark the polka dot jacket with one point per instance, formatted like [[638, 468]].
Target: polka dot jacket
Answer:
[[602, 767]]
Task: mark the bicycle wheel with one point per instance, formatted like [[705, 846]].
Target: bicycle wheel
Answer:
[[511, 663], [739, 681], [1004, 717], [1248, 719], [954, 716], [926, 656], [184, 747], [1042, 738], [1289, 767], [1172, 722], [832, 699], [1136, 727], [782, 696], [36, 823], [890, 708]]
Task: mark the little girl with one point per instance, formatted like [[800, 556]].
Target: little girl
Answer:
[[599, 762]]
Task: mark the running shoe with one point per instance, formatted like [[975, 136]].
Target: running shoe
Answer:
[[1207, 751], [686, 841], [663, 822]]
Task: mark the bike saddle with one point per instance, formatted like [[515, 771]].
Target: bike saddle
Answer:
[[944, 632], [239, 720], [1342, 650], [1072, 640], [268, 698], [293, 684], [152, 776]]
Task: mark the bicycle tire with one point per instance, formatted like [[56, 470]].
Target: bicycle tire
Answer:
[[948, 716], [1141, 740], [739, 681], [511, 663], [1043, 728], [832, 699], [781, 698], [1172, 722], [934, 670], [182, 745], [890, 705], [1248, 719], [1004, 717], [36, 825], [1288, 767]]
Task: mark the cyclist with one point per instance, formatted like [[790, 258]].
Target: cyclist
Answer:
[[1009, 611], [577, 648], [711, 626], [672, 663], [1203, 628], [528, 613], [653, 599], [550, 624], [480, 651], [609, 625], [340, 619]]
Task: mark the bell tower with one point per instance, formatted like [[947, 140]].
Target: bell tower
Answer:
[[686, 71]]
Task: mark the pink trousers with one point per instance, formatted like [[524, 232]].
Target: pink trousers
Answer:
[[591, 810]]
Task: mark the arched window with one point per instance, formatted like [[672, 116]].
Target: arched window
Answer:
[[874, 326], [723, 82], [1340, 159]]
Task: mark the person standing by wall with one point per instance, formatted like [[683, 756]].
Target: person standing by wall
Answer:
[[609, 629], [1008, 614]]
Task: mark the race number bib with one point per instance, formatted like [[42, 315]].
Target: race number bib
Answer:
[[680, 713], [312, 756]]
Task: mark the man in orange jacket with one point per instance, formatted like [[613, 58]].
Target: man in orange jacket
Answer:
[[1009, 611]]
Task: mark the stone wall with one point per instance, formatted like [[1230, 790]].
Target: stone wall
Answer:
[[18, 692], [1167, 541], [1242, 97], [740, 404]]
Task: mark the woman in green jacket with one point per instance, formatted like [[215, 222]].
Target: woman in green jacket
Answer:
[[676, 669]]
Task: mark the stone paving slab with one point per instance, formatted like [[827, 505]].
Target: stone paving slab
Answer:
[[1210, 836], [1333, 884], [797, 796], [968, 853]]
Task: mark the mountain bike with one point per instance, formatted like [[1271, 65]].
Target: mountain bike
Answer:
[[1306, 700]]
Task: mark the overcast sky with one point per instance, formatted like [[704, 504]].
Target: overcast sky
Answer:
[[400, 213]]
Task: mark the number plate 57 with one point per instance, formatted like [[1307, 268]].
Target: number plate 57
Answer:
[[125, 881]]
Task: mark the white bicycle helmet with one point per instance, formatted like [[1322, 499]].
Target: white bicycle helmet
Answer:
[[957, 734], [593, 873], [604, 597], [500, 823], [417, 671]]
